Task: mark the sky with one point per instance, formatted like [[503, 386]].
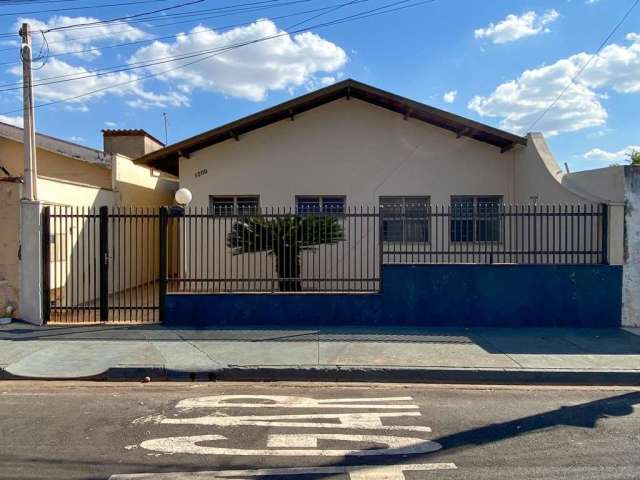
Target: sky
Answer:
[[204, 63]]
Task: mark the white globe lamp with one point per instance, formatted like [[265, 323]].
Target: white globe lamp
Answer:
[[183, 197]]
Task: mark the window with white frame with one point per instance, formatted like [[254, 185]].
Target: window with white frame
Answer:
[[320, 204], [475, 218], [405, 218], [234, 204]]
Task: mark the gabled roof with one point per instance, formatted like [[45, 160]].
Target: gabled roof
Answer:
[[166, 159], [59, 146]]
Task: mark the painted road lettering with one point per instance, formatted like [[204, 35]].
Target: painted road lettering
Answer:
[[284, 445], [372, 414], [362, 421], [285, 401]]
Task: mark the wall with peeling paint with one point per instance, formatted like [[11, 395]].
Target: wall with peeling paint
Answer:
[[631, 268]]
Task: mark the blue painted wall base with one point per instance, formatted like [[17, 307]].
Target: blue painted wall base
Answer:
[[429, 295]]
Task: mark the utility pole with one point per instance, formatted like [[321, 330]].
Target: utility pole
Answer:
[[30, 169]]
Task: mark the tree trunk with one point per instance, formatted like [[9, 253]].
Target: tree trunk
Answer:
[[288, 269]]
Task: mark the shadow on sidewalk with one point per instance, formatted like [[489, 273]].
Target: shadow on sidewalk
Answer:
[[531, 341]]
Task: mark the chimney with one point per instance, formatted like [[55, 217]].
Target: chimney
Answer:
[[130, 143]]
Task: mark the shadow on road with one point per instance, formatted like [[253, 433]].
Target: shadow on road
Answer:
[[584, 415]]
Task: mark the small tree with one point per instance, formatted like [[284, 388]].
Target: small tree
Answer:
[[634, 157], [286, 238]]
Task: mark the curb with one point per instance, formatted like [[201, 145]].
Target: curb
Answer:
[[332, 373]]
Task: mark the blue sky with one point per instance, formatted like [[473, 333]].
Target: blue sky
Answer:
[[499, 62]]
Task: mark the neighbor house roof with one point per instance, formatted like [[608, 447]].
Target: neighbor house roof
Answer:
[[138, 132], [59, 146], [166, 159]]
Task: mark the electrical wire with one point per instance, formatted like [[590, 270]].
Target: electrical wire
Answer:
[[111, 5], [173, 36], [161, 60], [386, 9], [126, 17], [131, 19], [584, 66]]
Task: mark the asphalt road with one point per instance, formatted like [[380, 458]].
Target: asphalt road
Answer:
[[363, 432]]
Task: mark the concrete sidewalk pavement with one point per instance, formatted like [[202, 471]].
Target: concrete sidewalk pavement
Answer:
[[451, 355]]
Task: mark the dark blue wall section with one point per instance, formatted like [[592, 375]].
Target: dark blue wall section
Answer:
[[429, 295]]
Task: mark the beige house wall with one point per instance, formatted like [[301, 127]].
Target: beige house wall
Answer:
[[353, 148], [137, 185], [10, 194], [65, 181], [606, 183], [53, 165]]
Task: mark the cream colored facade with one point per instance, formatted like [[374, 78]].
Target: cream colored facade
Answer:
[[354, 148]]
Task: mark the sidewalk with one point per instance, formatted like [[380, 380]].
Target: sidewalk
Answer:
[[450, 355]]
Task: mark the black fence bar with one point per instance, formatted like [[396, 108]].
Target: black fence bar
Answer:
[[104, 264], [117, 264], [46, 263], [162, 249], [246, 249]]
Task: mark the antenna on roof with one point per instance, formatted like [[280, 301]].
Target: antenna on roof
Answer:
[[166, 129]]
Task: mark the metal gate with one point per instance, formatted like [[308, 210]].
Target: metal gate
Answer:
[[103, 264]]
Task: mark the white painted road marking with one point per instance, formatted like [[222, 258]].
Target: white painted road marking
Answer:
[[386, 472], [394, 445], [286, 401], [297, 445], [363, 421]]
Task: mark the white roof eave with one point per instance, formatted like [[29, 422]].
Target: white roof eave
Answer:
[[59, 146]]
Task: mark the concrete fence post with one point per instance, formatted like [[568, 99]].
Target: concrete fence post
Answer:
[[631, 268], [31, 310], [615, 234]]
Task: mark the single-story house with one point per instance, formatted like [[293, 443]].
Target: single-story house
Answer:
[[449, 191]]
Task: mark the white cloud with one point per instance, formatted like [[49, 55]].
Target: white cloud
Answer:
[[76, 139], [514, 27], [119, 84], [15, 121], [250, 72], [253, 70], [606, 156], [71, 40], [450, 96], [521, 101], [110, 124]]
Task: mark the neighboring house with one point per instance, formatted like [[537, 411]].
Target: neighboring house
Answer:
[[74, 176]]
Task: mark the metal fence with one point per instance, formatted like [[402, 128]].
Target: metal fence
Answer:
[[274, 250], [116, 264], [281, 250], [490, 233], [103, 264]]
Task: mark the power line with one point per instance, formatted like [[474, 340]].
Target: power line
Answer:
[[102, 22], [167, 59], [223, 28], [585, 65], [385, 9], [230, 9], [110, 5]]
